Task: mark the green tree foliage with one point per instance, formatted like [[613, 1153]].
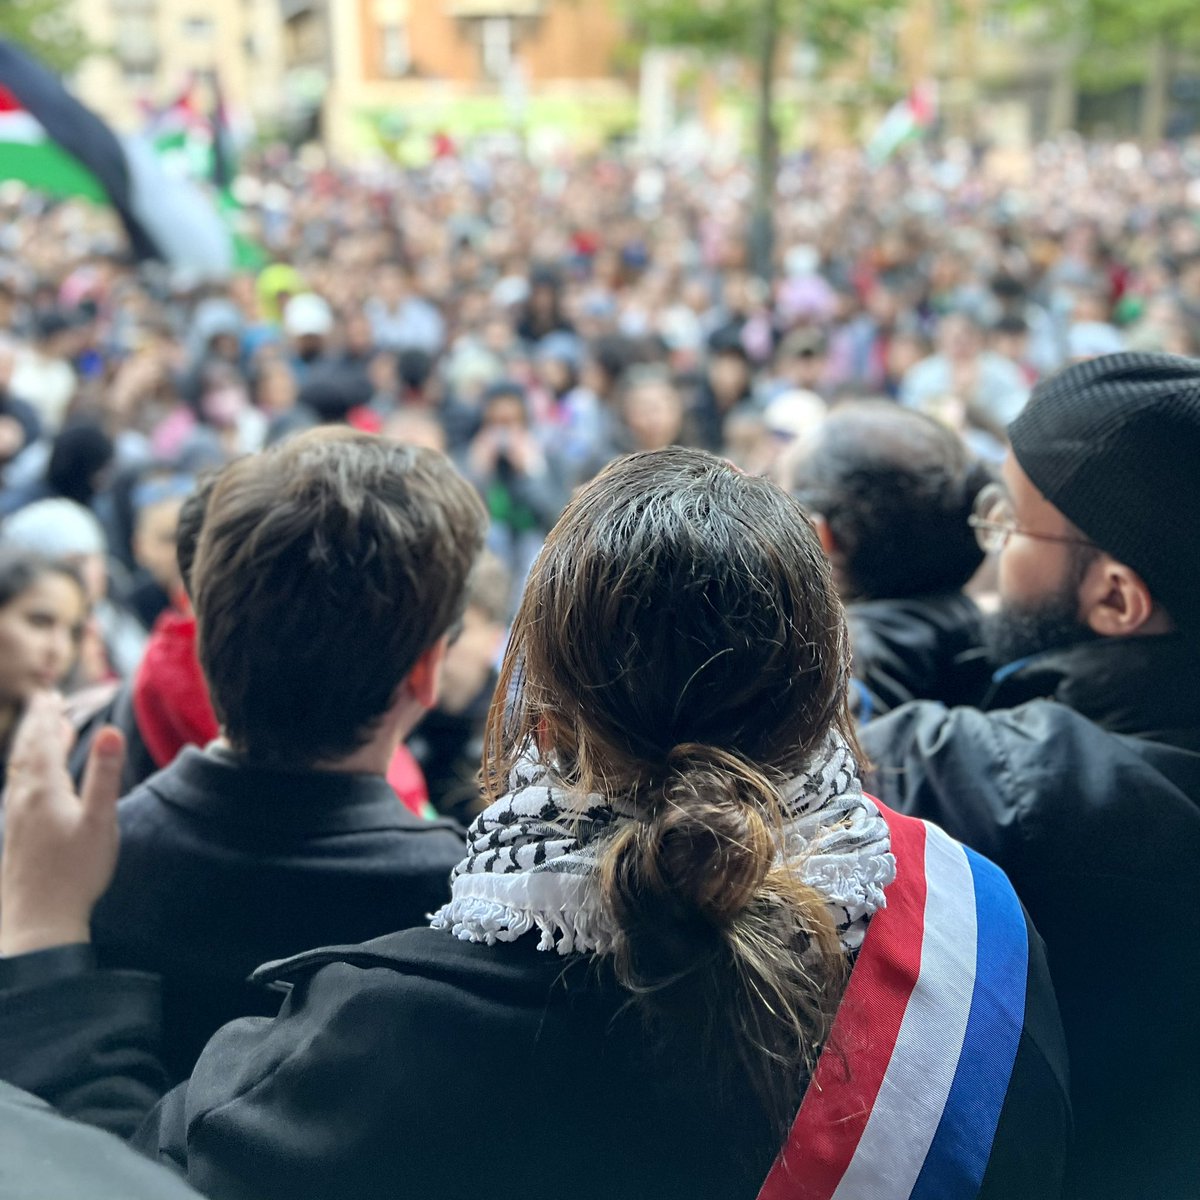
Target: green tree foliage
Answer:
[[733, 26], [756, 30], [1118, 23], [48, 29], [1124, 42]]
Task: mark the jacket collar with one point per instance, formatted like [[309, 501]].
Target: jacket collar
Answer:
[[1148, 686], [223, 788]]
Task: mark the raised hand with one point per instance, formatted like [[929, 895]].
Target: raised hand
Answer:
[[60, 846]]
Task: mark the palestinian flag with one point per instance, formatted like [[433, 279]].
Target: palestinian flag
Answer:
[[172, 128], [28, 153], [248, 255], [52, 142], [906, 120]]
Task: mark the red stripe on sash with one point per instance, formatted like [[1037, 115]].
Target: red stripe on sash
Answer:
[[850, 1071]]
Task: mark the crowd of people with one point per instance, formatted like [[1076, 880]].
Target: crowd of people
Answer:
[[507, 499]]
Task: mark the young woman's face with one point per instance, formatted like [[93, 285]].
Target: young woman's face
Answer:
[[39, 636]]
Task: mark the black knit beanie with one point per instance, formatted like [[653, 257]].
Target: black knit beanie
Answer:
[[1114, 445]]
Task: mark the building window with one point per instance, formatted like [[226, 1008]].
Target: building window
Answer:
[[133, 42], [198, 29], [394, 52], [138, 80], [496, 41], [997, 23]]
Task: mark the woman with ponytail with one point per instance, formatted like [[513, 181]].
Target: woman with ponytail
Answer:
[[685, 955]]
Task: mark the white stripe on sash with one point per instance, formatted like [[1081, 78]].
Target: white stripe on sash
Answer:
[[913, 1096]]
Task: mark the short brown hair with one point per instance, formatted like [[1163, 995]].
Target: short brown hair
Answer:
[[326, 567]]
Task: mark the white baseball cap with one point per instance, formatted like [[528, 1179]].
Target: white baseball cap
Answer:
[[308, 315]]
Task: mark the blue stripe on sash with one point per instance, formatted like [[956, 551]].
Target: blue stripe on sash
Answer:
[[962, 1145]]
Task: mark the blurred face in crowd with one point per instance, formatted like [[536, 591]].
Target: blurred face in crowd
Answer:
[[958, 338], [1189, 278], [654, 415], [1011, 344], [556, 375], [729, 375], [505, 415], [498, 335], [543, 300], [358, 336], [276, 391], [883, 305], [40, 631], [469, 660], [806, 366], [154, 542], [696, 296], [391, 286], [310, 347], [904, 352], [1091, 306], [226, 346], [224, 401], [412, 427]]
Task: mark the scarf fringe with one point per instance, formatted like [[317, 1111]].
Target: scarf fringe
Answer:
[[532, 858], [471, 919]]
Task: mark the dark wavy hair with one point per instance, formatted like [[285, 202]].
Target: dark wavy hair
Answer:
[[896, 489], [681, 646]]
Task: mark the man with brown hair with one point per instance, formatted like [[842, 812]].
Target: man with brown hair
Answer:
[[328, 574]]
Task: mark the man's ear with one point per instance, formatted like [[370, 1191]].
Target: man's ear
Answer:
[[1114, 601], [824, 534], [423, 682]]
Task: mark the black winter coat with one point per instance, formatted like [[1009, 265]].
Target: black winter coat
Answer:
[[419, 1066], [225, 866], [915, 649], [1083, 784]]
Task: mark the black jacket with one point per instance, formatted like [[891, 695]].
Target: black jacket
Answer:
[[421, 1066], [224, 867], [1083, 783], [915, 649]]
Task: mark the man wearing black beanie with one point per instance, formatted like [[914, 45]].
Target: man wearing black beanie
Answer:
[[1081, 775]]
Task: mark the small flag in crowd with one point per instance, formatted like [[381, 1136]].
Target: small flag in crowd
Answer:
[[907, 119], [50, 141]]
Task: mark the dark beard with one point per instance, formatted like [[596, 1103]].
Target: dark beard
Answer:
[[1017, 633]]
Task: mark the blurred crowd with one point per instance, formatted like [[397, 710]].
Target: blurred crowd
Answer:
[[999, 498], [535, 321]]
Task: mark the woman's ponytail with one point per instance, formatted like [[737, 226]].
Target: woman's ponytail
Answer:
[[707, 912]]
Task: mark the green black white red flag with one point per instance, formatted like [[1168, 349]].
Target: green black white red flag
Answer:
[[52, 142]]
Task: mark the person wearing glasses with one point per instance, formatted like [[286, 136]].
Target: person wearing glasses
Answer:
[[1080, 773]]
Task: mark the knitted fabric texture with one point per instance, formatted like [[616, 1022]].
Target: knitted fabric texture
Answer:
[[1114, 445]]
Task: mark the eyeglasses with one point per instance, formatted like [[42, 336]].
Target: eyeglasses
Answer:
[[994, 523]]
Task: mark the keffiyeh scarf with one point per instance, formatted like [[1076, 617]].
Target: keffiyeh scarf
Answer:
[[532, 857]]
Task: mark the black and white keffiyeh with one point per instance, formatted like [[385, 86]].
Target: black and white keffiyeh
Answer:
[[532, 857]]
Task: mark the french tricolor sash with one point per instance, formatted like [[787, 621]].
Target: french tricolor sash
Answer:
[[906, 1097]]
